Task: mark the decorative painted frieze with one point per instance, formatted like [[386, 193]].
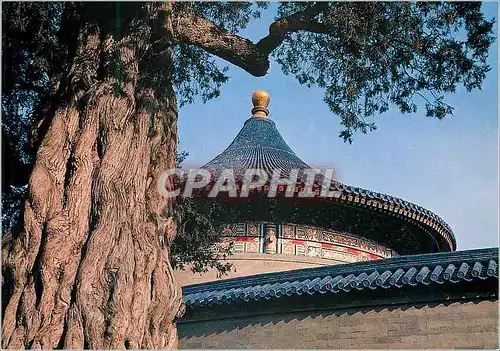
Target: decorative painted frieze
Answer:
[[292, 239]]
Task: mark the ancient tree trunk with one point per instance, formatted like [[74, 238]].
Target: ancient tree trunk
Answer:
[[91, 267]]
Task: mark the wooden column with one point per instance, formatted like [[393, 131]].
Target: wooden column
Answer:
[[270, 238]]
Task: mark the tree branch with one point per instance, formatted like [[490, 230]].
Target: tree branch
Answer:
[[302, 20], [218, 41], [253, 58]]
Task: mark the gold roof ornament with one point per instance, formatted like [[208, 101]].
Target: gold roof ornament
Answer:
[[260, 100]]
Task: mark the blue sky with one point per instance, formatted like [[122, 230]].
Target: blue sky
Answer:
[[448, 166]]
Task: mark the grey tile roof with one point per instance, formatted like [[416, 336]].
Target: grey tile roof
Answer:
[[414, 270]]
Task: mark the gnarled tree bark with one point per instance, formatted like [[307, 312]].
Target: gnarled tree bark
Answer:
[[90, 269]]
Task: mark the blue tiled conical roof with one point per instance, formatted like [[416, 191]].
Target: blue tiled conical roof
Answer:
[[258, 145]]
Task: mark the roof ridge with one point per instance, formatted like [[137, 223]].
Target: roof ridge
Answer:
[[440, 268], [398, 262]]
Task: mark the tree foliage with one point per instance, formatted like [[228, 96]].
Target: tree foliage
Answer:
[[196, 245], [371, 55]]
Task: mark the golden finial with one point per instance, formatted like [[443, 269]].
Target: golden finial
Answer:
[[260, 100]]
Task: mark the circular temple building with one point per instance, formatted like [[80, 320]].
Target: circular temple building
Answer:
[[288, 232]]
